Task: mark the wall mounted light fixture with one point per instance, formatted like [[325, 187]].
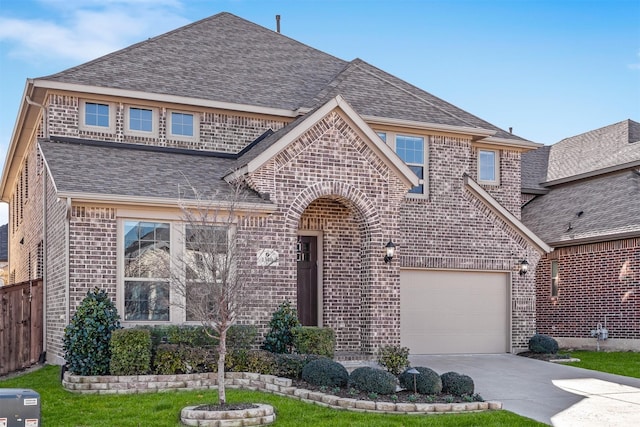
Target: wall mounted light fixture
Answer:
[[523, 266], [390, 249]]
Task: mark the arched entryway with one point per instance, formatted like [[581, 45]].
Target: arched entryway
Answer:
[[337, 233]]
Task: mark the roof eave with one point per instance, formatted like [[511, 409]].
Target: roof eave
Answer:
[[150, 96], [100, 198], [596, 239], [507, 216], [592, 174]]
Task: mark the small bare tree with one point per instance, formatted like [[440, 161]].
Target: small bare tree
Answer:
[[209, 278]]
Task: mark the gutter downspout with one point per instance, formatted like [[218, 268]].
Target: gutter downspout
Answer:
[[45, 115], [44, 261], [67, 232]]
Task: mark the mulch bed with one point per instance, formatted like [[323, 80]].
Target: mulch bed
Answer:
[[402, 396]]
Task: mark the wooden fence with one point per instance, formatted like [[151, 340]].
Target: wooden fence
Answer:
[[20, 325]]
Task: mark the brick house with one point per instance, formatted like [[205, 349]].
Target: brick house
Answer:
[[342, 159], [583, 198]]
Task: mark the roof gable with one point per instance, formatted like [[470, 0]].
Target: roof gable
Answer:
[[276, 143]]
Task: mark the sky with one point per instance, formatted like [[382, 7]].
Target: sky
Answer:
[[549, 69]]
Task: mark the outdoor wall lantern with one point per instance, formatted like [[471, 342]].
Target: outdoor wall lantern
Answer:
[[390, 252], [523, 266]]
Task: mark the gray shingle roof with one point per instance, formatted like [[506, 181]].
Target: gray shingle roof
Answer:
[[534, 169], [586, 153], [135, 172], [228, 59], [609, 205]]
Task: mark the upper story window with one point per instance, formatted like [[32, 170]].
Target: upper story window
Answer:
[[488, 167], [183, 125], [413, 150], [97, 116], [141, 121], [554, 278]]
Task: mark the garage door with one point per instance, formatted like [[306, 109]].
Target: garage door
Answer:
[[449, 312]]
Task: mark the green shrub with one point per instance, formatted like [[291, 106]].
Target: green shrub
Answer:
[[393, 358], [544, 344], [86, 338], [258, 361], [279, 339], [427, 381], [189, 335], [241, 337], [171, 359], [130, 352], [457, 384], [291, 365], [370, 380], [314, 340], [325, 372]]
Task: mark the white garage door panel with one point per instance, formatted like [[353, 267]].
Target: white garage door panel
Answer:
[[448, 312]]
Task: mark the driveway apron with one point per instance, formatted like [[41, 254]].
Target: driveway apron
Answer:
[[551, 393]]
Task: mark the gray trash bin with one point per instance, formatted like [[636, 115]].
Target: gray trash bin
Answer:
[[19, 407]]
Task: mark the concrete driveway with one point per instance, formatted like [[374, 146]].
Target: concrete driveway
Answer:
[[551, 393]]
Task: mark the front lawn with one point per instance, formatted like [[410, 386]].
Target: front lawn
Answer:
[[620, 362], [62, 408]]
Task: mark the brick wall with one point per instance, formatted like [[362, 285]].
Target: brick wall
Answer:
[[221, 132], [594, 280]]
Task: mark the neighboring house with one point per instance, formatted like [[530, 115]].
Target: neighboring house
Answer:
[[583, 198], [4, 255], [342, 157]]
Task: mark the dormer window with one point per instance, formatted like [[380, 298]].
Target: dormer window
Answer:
[[183, 125], [141, 121]]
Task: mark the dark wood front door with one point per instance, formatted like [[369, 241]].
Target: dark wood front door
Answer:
[[308, 280]]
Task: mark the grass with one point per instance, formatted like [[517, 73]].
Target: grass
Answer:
[[621, 363], [62, 408]]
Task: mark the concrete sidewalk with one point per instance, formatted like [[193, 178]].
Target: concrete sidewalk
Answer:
[[551, 393]]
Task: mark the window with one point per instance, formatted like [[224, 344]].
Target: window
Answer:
[[488, 167], [206, 262], [413, 150], [182, 125], [141, 121], [147, 253], [554, 278], [97, 116]]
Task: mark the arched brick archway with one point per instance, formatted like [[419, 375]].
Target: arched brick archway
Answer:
[[348, 277]]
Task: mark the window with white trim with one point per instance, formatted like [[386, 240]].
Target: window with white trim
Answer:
[[147, 252], [488, 167], [413, 150], [183, 125], [97, 116], [141, 121]]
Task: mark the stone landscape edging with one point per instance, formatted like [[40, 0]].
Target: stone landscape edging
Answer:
[[131, 384]]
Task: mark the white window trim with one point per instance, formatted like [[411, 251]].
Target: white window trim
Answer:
[[496, 166], [391, 142], [154, 122], [196, 126], [103, 129]]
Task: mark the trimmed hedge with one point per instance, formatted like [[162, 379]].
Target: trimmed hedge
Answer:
[[86, 338], [171, 359], [291, 365], [325, 372], [394, 358], [543, 344], [370, 380], [130, 352], [314, 340], [258, 361], [457, 384], [241, 337], [427, 381]]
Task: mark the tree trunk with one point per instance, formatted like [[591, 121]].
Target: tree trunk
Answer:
[[222, 352]]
